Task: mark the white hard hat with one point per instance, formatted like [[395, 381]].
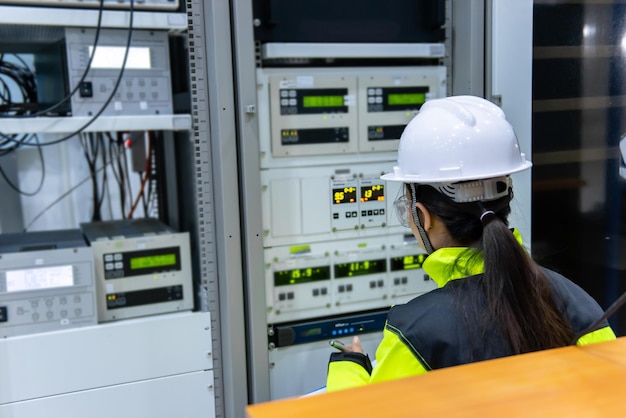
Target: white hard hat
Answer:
[[457, 138]]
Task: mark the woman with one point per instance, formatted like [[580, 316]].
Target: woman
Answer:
[[455, 159]]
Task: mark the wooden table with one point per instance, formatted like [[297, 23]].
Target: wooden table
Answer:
[[587, 381]]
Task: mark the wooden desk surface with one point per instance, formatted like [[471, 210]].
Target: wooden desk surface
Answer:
[[587, 381]]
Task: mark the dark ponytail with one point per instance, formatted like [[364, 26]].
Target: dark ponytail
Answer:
[[517, 293]]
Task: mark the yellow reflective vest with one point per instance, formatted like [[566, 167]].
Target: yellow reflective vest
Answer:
[[434, 330]]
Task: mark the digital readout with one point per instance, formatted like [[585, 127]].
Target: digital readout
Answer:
[[322, 101], [299, 276], [375, 192], [151, 261], [408, 262], [344, 195], [311, 332], [360, 268], [39, 278], [112, 57], [400, 99]]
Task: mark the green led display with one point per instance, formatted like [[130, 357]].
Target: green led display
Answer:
[[151, 261], [303, 275], [322, 101], [399, 99], [360, 268], [408, 262]]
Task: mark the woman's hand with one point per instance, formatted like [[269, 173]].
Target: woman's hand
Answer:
[[356, 345]]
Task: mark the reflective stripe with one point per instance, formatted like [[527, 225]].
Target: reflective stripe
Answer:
[[599, 335], [405, 341]]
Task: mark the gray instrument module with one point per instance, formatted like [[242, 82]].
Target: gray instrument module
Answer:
[[142, 268], [46, 282]]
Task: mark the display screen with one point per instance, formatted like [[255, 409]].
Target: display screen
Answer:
[[344, 195], [311, 332], [384, 133], [112, 57], [375, 192], [322, 101], [398, 99], [360, 268], [394, 99], [151, 261], [303, 275], [39, 278], [408, 262], [313, 136]]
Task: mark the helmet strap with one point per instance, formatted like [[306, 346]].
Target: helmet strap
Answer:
[[418, 223]]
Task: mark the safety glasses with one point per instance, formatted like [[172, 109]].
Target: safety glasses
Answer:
[[401, 204]]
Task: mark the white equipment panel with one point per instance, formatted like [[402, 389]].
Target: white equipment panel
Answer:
[[138, 276], [112, 4], [47, 282], [313, 115], [336, 257], [343, 276], [142, 268], [145, 87], [387, 102], [127, 365], [311, 204], [316, 116], [46, 290], [187, 395]]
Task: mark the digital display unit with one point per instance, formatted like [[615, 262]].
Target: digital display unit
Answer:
[[39, 278], [301, 275], [344, 195], [390, 99], [407, 262], [384, 133], [312, 136], [399, 99], [360, 268], [112, 57], [299, 101], [323, 101], [152, 261], [141, 262], [374, 192], [143, 297]]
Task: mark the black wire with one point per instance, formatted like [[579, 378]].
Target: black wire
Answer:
[[24, 79], [14, 143], [144, 199], [117, 83], [608, 313], [91, 155], [82, 78], [57, 200], [43, 175], [114, 151], [114, 157]]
